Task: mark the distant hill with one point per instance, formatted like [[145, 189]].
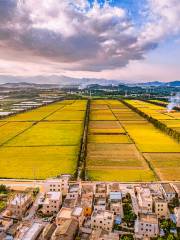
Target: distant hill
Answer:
[[173, 84], [63, 81], [159, 84]]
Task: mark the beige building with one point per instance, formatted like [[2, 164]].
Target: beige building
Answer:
[[114, 187], [68, 213], [177, 189], [51, 203], [87, 205], [102, 220], [100, 204], [19, 205], [115, 201], [66, 231], [87, 195], [57, 184], [168, 191], [161, 208], [177, 215], [101, 190], [75, 188], [100, 234], [48, 231], [71, 200], [145, 200], [146, 226]]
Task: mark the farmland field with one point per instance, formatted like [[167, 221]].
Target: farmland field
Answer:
[[111, 153], [128, 148], [170, 119], [38, 144]]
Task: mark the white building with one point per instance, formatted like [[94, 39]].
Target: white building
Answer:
[[51, 203], [57, 184], [145, 200], [33, 232], [102, 220], [146, 226]]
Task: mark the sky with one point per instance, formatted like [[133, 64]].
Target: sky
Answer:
[[130, 40]]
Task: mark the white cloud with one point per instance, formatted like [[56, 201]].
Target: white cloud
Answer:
[[75, 36]]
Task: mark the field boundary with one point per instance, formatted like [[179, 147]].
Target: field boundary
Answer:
[[81, 171]]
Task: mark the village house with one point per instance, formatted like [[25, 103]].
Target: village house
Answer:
[[33, 232], [146, 225], [48, 231], [60, 184], [69, 213], [75, 188], [87, 195], [87, 204], [19, 205], [100, 203], [113, 187], [66, 231], [115, 201], [101, 190], [5, 225], [145, 200], [101, 234], [102, 220], [168, 191], [51, 203], [177, 189], [177, 216], [161, 208], [71, 200]]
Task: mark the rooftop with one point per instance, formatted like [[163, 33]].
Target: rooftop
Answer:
[[149, 218], [32, 231], [168, 188], [65, 213], [54, 195], [100, 201], [103, 214], [20, 199], [114, 196], [77, 211]]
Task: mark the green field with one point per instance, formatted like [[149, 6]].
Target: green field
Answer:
[[38, 144]]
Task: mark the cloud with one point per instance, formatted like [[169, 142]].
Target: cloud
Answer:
[[80, 37]]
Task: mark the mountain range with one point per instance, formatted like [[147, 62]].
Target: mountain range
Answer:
[[61, 81]]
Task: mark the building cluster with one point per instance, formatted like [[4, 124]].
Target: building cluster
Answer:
[[67, 210]]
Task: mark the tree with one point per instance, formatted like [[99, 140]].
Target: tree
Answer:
[[171, 237], [3, 189], [127, 237]]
